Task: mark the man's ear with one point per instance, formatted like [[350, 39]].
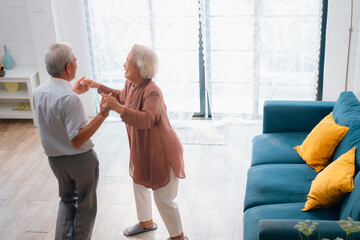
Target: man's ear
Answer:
[[68, 68]]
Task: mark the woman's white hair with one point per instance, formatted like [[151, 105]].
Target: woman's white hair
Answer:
[[57, 56], [146, 60]]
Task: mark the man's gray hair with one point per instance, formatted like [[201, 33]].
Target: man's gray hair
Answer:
[[57, 56], [146, 60]]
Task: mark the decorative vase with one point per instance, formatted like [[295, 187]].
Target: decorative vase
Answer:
[[7, 60], [11, 86]]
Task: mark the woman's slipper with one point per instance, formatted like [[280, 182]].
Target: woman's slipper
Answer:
[[136, 229]]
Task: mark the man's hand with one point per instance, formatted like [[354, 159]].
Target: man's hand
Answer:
[[90, 83], [104, 110], [80, 88], [109, 102]]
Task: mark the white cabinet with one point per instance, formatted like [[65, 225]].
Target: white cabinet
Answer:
[[28, 79]]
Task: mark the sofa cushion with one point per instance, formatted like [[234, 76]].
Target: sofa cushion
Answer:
[[331, 184], [252, 216], [346, 109], [351, 139], [278, 183], [319, 146], [276, 148], [351, 204]]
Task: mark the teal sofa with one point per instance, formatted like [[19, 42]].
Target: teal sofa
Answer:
[[279, 180]]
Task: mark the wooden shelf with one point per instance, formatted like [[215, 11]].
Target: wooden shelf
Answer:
[[6, 111], [28, 79], [19, 74], [22, 93]]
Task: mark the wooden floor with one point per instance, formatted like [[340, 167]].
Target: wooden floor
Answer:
[[210, 198]]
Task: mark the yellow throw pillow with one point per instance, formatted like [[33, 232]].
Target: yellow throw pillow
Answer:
[[319, 146], [331, 185]]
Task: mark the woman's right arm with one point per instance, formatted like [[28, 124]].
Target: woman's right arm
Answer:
[[118, 94]]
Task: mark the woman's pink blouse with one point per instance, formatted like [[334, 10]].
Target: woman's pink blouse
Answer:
[[154, 145]]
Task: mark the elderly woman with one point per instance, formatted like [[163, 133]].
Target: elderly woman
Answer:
[[156, 153]]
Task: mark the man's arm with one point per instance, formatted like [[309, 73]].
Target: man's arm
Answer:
[[86, 133]]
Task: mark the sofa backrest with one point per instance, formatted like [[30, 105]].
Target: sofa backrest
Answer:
[[346, 109], [346, 112], [294, 116], [350, 140], [351, 204]]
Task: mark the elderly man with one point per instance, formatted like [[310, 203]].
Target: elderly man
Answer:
[[65, 136]]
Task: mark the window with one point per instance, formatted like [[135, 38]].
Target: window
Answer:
[[252, 50]]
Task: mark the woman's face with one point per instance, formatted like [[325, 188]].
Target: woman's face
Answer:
[[132, 72]]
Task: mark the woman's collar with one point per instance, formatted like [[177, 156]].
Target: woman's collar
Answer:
[[142, 84]]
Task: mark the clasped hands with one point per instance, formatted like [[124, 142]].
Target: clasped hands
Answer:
[[108, 102]]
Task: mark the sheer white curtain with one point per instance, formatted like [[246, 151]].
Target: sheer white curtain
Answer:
[[254, 50], [168, 26], [261, 50]]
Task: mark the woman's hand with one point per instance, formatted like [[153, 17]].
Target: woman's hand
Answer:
[[90, 83], [78, 87], [109, 102], [104, 111]]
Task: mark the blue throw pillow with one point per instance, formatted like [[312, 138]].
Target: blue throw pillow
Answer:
[[346, 109], [351, 139]]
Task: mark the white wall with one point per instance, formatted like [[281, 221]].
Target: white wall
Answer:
[[357, 58], [15, 32], [27, 27], [41, 18], [336, 49], [70, 18]]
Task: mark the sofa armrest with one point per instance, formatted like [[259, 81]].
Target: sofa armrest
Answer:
[[294, 116], [275, 229]]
